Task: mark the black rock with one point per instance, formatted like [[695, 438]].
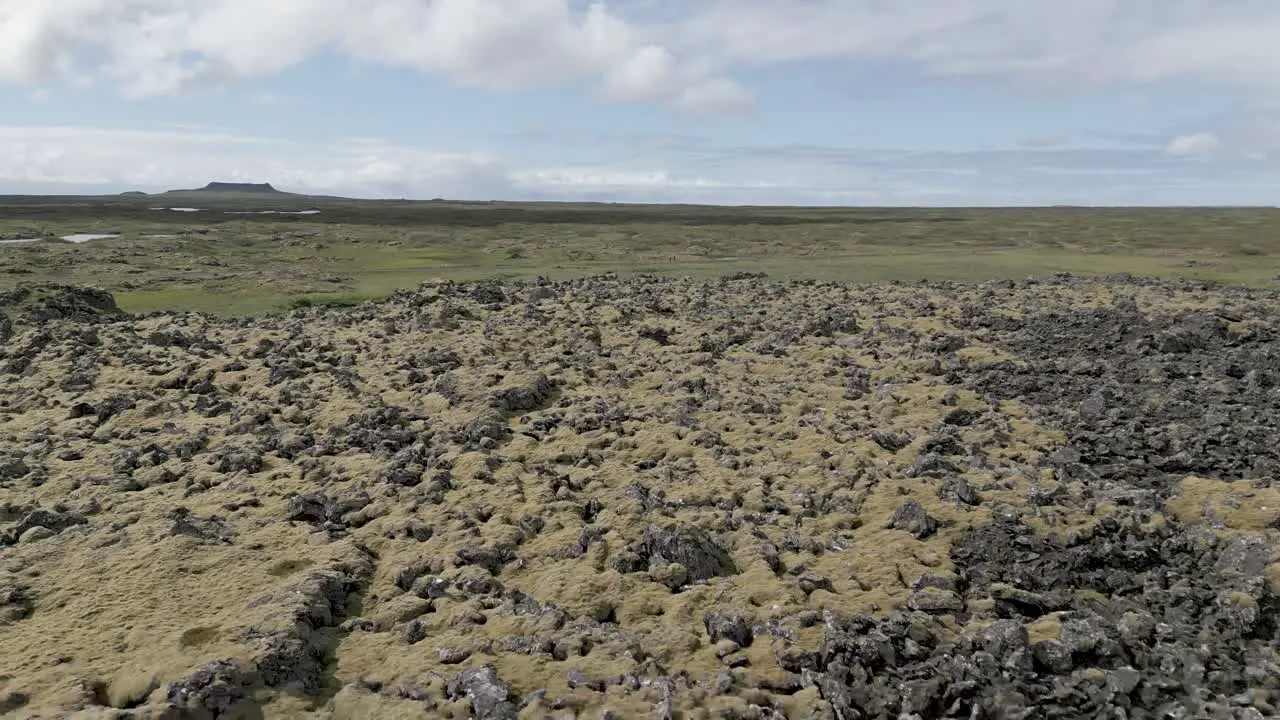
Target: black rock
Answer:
[[893, 442], [1007, 642], [728, 626], [965, 492], [810, 581], [961, 417], [232, 460], [293, 656], [290, 662], [913, 518], [1051, 656], [690, 547], [630, 562], [16, 600], [414, 631], [406, 576], [113, 406], [50, 519], [487, 557], [526, 397], [586, 538], [211, 691], [487, 694], [12, 468], [211, 528], [14, 699], [80, 410], [488, 426], [935, 600], [307, 508]]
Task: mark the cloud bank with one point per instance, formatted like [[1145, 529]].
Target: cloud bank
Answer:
[[98, 160], [158, 47], [680, 54]]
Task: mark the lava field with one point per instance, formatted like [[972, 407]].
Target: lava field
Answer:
[[609, 497]]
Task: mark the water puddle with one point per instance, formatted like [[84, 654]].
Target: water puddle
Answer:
[[18, 241], [86, 237], [241, 212], [273, 212]]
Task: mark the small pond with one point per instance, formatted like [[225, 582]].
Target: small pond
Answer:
[[273, 212]]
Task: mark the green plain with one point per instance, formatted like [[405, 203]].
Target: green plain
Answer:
[[216, 262]]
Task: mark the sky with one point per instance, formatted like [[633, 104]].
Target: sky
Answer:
[[808, 102]]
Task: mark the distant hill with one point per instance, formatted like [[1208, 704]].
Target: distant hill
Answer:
[[236, 188]]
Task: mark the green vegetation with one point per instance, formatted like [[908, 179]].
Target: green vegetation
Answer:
[[352, 250]]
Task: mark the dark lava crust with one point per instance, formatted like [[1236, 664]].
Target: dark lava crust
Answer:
[[661, 498]]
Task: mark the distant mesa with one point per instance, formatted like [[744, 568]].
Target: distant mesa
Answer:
[[237, 188]]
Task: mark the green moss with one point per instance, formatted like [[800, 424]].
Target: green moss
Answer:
[[239, 264]]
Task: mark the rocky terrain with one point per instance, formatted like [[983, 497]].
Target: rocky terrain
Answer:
[[654, 498]]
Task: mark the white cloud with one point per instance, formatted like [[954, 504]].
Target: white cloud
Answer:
[[1193, 145], [653, 74], [642, 75], [1057, 44], [157, 47], [683, 54], [88, 159], [598, 179]]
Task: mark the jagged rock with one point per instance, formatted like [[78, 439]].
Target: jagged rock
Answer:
[[935, 600], [486, 426], [287, 647], [233, 460], [52, 520], [35, 304], [113, 406], [727, 626], [489, 558], [487, 694], [12, 700], [211, 528], [524, 397], [756, 433], [892, 442], [913, 518], [16, 601], [214, 690], [308, 508], [1007, 642], [12, 468], [690, 547]]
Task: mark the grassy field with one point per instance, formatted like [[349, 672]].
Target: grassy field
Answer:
[[225, 263]]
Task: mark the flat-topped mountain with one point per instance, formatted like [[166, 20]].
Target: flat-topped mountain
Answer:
[[229, 187]]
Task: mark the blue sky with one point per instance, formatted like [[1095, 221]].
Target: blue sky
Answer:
[[864, 102]]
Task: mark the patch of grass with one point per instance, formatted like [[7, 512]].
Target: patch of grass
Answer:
[[335, 300], [192, 300]]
